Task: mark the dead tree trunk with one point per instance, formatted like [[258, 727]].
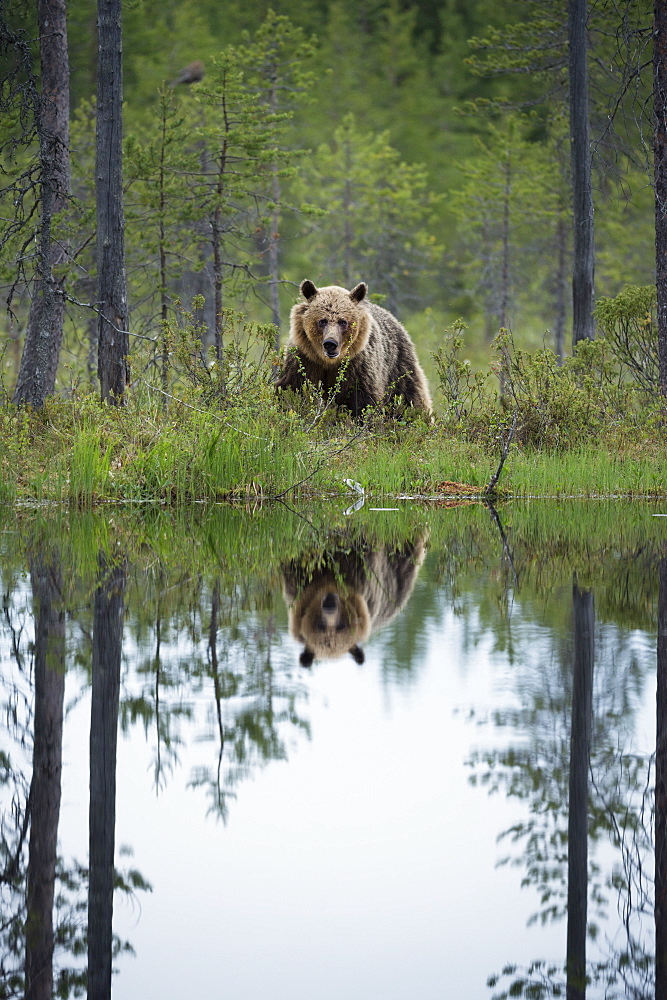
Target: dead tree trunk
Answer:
[[44, 333], [583, 273], [113, 337]]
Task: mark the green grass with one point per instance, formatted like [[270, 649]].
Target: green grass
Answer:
[[586, 472], [83, 453]]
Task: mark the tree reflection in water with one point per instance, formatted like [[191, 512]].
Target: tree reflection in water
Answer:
[[108, 618], [582, 787], [43, 908], [44, 798], [182, 638]]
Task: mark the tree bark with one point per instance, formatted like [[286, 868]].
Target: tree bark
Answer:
[[46, 776], [113, 320], [660, 179], [44, 333], [108, 617], [661, 793], [583, 274], [577, 830]]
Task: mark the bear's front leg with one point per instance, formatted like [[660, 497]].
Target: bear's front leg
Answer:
[[355, 399], [292, 376]]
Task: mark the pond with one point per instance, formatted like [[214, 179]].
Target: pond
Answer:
[[317, 753]]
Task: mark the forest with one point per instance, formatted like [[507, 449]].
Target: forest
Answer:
[[425, 148]]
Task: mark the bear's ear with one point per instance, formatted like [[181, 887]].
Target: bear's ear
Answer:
[[307, 657], [308, 289], [357, 654], [359, 292]]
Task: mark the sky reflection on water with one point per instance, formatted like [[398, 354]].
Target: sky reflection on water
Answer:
[[343, 841]]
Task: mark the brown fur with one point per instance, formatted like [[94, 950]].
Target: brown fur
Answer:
[[370, 360], [334, 609]]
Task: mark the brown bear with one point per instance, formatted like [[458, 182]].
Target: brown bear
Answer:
[[354, 349], [335, 608]]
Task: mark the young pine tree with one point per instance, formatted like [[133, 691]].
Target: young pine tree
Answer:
[[377, 214]]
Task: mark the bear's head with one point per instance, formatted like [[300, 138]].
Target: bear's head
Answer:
[[330, 619], [332, 324]]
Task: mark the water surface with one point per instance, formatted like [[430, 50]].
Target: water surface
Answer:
[[355, 754]]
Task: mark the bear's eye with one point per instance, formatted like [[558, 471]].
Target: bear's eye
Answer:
[[322, 323], [342, 324]]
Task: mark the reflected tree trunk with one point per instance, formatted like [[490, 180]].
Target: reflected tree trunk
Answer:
[[217, 687], [580, 752], [46, 775], [661, 794], [108, 618]]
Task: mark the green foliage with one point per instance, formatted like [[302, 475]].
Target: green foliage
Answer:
[[560, 406], [242, 371], [629, 323], [465, 393], [89, 467], [160, 207], [512, 206], [378, 210]]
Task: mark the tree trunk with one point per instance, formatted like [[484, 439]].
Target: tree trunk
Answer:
[[577, 830], [216, 231], [661, 793], [559, 332], [503, 312], [46, 777], [274, 225], [347, 217], [660, 177], [113, 337], [107, 645], [164, 300], [583, 273], [44, 333]]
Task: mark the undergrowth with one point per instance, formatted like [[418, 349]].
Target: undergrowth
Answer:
[[216, 429]]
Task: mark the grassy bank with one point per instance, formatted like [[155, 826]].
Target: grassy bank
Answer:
[[590, 426], [81, 452]]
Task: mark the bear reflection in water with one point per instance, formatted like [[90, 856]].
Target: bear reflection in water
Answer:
[[335, 607]]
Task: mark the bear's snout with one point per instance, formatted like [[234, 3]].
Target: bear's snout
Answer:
[[331, 348]]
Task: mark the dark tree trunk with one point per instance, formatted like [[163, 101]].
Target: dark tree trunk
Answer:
[[660, 177], [661, 794], [113, 337], [577, 830], [583, 273], [46, 774], [44, 333], [107, 645]]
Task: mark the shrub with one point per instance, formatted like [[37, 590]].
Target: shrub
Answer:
[[628, 323]]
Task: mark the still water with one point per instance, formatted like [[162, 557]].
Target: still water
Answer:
[[397, 754]]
